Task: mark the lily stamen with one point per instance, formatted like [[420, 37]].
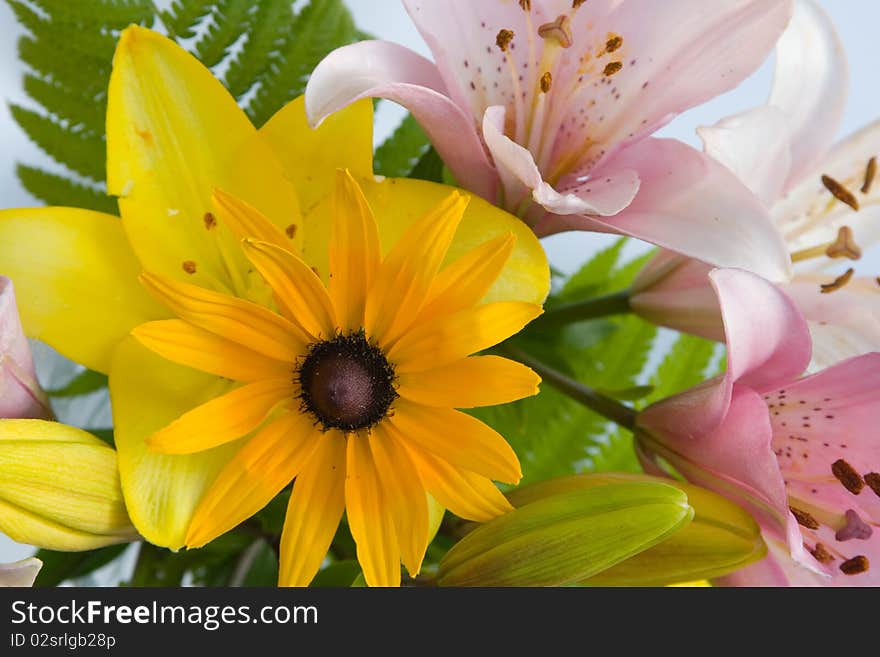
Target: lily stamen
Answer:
[[844, 246]]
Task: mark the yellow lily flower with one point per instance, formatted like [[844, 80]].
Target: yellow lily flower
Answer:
[[193, 177], [59, 488]]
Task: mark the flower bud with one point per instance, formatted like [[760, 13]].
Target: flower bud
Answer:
[[20, 573], [567, 537], [721, 538], [59, 488]]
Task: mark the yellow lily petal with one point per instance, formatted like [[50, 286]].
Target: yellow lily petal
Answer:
[[76, 280], [309, 157], [242, 321], [397, 203], [266, 464], [465, 282], [467, 495], [189, 345], [161, 490], [470, 382], [313, 512], [244, 220], [456, 336], [354, 252], [404, 495], [59, 487], [408, 271], [174, 133], [369, 516], [222, 419], [300, 294], [460, 439]]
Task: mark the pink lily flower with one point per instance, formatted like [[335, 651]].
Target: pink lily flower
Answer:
[[20, 394], [20, 573], [547, 107], [781, 152], [798, 452]]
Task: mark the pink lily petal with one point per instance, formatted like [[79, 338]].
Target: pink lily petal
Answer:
[[388, 70], [20, 394], [810, 85], [675, 292], [755, 145], [843, 324], [604, 196], [678, 186], [776, 569], [20, 573]]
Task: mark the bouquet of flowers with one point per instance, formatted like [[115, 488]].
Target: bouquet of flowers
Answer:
[[271, 352]]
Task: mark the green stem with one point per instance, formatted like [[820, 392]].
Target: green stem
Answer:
[[604, 406], [611, 304]]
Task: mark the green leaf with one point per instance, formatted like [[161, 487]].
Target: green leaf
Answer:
[[403, 150], [684, 366], [429, 167], [184, 16], [338, 574], [61, 566], [57, 190], [588, 280], [224, 30], [82, 384]]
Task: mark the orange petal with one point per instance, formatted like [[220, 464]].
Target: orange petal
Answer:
[[256, 474], [222, 419], [314, 511]]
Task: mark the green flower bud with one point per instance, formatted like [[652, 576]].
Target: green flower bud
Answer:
[[59, 488], [567, 537], [722, 537]]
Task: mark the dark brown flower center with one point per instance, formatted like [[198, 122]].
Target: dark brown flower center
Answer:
[[347, 383]]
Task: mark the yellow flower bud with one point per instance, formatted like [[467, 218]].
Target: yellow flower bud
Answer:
[[59, 488]]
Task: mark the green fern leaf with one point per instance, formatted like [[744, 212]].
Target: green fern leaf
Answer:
[[587, 281], [402, 151], [686, 364], [183, 17], [118, 13], [57, 190], [70, 107], [225, 29], [270, 21]]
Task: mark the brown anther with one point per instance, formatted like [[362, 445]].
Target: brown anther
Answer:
[[614, 42], [838, 283], [611, 68], [844, 246], [290, 231], [577, 3], [821, 554], [847, 475], [503, 39], [526, 5], [873, 481], [560, 30], [189, 266], [546, 82], [840, 192], [855, 528], [804, 519], [870, 173], [210, 221], [855, 565]]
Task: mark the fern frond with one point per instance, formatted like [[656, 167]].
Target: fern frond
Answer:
[[225, 29], [58, 190], [183, 17], [67, 106], [402, 151], [116, 13], [269, 21]]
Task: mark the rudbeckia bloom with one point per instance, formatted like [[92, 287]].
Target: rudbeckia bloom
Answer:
[[797, 451], [193, 177], [547, 107]]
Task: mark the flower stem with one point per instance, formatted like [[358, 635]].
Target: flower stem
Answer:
[[611, 304], [605, 406]]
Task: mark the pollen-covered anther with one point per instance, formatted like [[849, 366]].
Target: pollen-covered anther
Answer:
[[546, 82], [821, 554], [525, 5], [840, 192], [870, 174], [804, 519], [614, 42], [558, 30], [855, 528], [612, 68], [346, 383], [577, 3], [503, 40], [838, 283], [845, 245], [873, 481], [848, 476], [855, 566]]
